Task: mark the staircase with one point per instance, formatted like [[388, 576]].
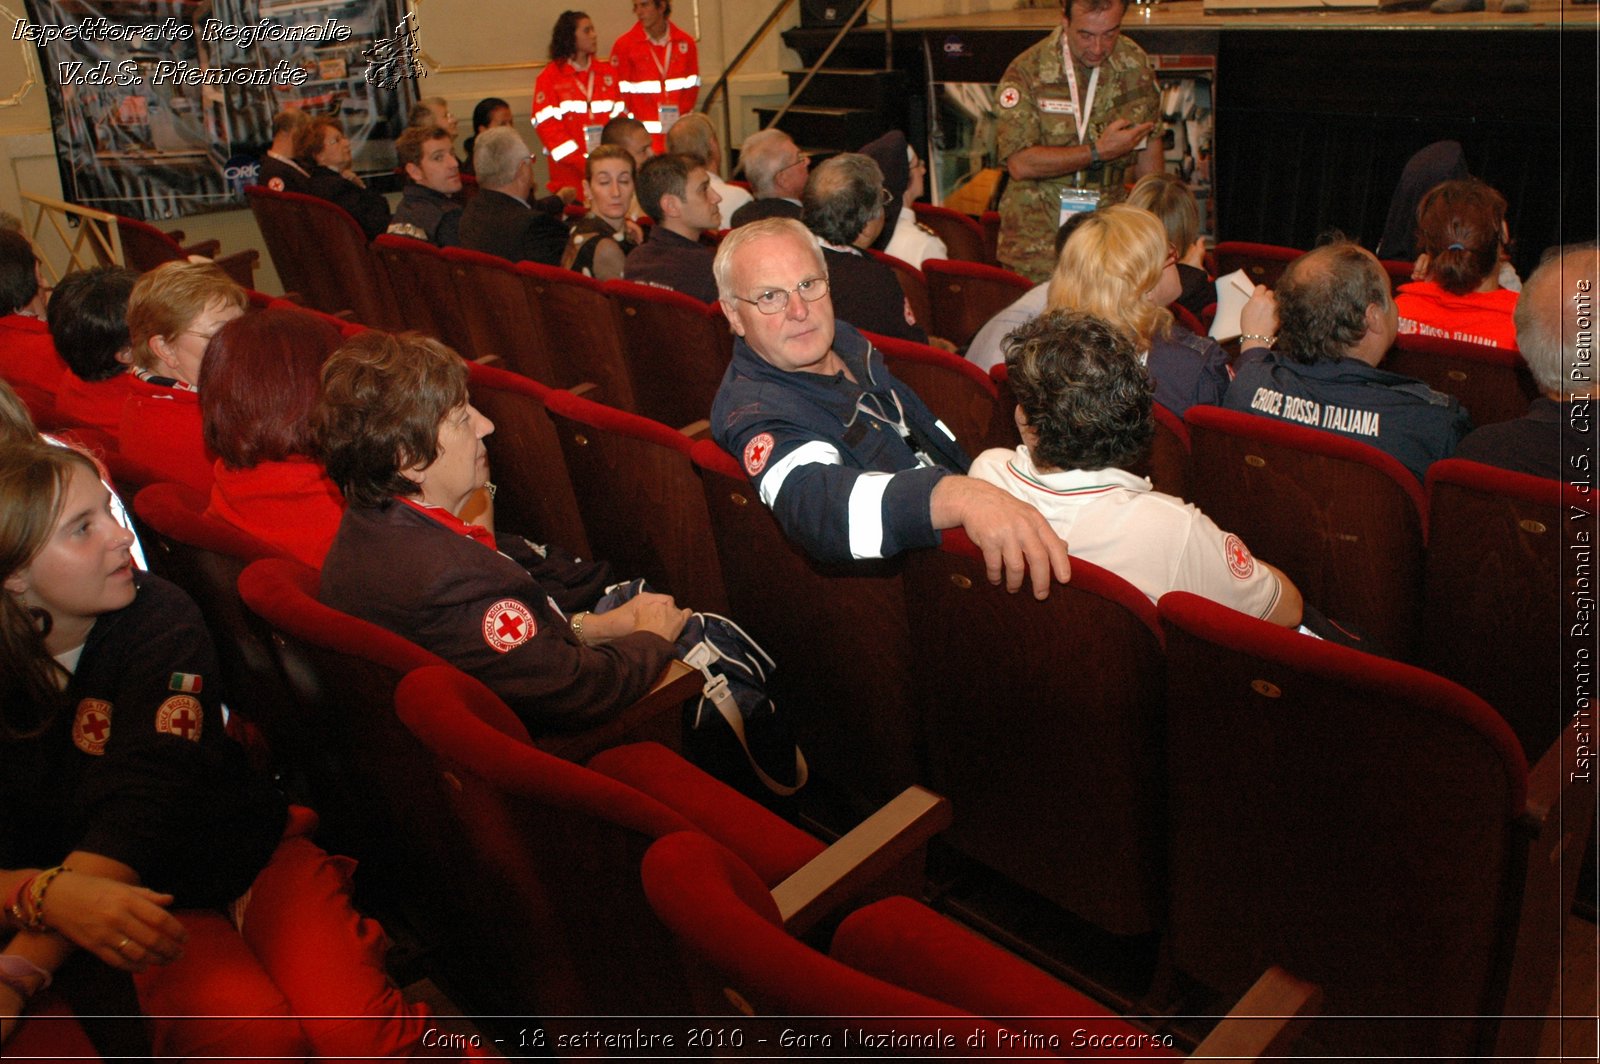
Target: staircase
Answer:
[[853, 99]]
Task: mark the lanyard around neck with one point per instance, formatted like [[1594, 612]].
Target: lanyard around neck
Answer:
[[1080, 111]]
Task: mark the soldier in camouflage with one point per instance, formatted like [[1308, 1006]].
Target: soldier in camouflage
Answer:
[[1039, 137]]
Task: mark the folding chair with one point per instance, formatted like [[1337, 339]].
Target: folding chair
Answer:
[[1002, 678], [898, 968], [959, 393], [639, 497], [677, 349], [963, 296], [962, 236], [1373, 828], [1492, 383], [1494, 591], [1344, 520]]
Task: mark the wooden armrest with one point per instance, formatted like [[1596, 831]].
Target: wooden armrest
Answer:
[[1556, 823], [653, 717], [206, 249], [176, 235], [588, 390], [487, 360], [879, 843], [1265, 1022], [697, 430]]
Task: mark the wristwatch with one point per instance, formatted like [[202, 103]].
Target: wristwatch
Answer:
[[1096, 164]]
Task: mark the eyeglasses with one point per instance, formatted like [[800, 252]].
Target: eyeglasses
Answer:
[[776, 300], [885, 197], [804, 158]]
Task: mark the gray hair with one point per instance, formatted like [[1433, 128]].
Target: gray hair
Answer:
[[842, 197], [496, 154], [693, 135], [722, 265], [1323, 298], [763, 157], [1555, 319]]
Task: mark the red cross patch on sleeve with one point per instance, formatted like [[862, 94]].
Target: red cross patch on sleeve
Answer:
[[275, 184], [1240, 563], [182, 716], [756, 453], [91, 726], [508, 624], [1009, 97]]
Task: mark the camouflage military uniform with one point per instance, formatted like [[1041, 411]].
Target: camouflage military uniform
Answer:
[[1035, 109]]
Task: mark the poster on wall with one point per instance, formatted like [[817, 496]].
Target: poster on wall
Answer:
[[162, 109]]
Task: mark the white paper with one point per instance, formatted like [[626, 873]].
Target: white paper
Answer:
[[1233, 292]]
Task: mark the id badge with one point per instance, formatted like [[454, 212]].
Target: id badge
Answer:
[[669, 115], [1076, 201], [591, 137]]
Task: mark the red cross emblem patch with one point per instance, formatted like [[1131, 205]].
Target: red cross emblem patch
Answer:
[[1240, 563], [182, 716], [1009, 97], [756, 453], [507, 624], [91, 727]]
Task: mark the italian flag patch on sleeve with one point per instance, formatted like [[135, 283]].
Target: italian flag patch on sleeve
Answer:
[[187, 682]]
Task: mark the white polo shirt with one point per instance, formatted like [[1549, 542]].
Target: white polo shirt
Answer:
[[1156, 542]]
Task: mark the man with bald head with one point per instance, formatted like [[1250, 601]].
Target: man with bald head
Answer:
[[1555, 332], [1310, 356], [850, 461], [777, 170]]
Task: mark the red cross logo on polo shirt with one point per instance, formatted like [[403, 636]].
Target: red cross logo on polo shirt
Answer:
[[1240, 563], [182, 716], [507, 624]]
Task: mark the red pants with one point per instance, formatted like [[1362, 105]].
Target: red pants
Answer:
[[303, 977]]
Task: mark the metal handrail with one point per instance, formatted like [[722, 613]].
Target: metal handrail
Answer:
[[721, 84]]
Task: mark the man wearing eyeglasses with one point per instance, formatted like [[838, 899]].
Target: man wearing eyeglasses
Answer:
[[1079, 115], [851, 462], [777, 170]]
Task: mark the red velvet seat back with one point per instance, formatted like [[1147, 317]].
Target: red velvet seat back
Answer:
[[962, 236], [144, 247], [989, 222], [534, 496], [205, 556], [556, 847], [1492, 383], [837, 631], [1494, 592], [963, 296], [1043, 725], [640, 499], [1262, 263], [320, 252], [1341, 518], [379, 800], [959, 393], [425, 290], [912, 284], [585, 338], [677, 348], [498, 314], [1350, 818]]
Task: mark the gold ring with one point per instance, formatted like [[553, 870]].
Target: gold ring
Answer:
[[120, 945]]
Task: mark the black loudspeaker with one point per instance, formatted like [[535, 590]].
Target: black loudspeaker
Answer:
[[825, 13]]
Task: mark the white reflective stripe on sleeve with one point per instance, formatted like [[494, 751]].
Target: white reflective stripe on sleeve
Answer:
[[651, 126], [814, 453], [641, 86], [553, 111], [676, 84], [561, 151], [866, 514], [946, 430]]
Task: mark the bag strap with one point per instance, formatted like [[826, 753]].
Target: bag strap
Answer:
[[716, 689]]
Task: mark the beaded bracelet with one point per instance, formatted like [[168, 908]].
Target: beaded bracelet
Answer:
[[1268, 340], [36, 888], [12, 910]]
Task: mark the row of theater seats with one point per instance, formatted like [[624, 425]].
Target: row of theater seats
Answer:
[[1244, 791], [528, 862]]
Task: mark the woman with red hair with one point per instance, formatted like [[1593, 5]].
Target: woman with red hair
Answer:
[[1461, 234], [258, 385]]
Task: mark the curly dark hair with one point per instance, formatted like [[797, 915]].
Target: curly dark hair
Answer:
[[1323, 298], [1079, 382], [564, 35], [383, 399]]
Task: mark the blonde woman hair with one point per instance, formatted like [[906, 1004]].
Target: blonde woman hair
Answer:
[[1168, 197], [170, 297], [1108, 266]]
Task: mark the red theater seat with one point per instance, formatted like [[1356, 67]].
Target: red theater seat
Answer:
[[582, 330], [912, 284], [1262, 263], [500, 317], [322, 256], [1492, 383], [425, 291], [677, 349], [1368, 825], [144, 247], [963, 296], [962, 236], [959, 393]]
